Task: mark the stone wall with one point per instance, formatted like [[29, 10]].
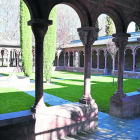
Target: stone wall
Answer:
[[55, 122]]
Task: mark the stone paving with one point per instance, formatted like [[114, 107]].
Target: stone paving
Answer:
[[109, 127]]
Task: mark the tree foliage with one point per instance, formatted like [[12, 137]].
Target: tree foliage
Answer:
[[25, 39], [109, 26], [50, 46], [137, 28]]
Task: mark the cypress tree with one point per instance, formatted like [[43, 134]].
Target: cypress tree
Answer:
[[50, 46], [109, 26], [136, 28], [25, 39]]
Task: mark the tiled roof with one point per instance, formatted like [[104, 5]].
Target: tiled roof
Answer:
[[104, 40]]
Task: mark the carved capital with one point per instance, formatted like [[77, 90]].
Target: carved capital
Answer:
[[121, 39], [2, 52], [88, 35]]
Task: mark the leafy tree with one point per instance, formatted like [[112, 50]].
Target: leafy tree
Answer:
[[109, 26], [50, 46], [25, 39], [136, 28]]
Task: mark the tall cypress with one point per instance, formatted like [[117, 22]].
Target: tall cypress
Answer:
[[25, 39], [109, 26], [50, 46], [97, 24]]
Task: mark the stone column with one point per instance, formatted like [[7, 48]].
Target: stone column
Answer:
[[39, 28], [134, 55], [121, 40], [105, 55], [64, 59], [17, 55], [98, 59], [7, 58], [88, 35], [2, 53]]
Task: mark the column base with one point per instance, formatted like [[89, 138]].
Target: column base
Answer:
[[138, 89], [119, 94], [38, 108], [86, 101]]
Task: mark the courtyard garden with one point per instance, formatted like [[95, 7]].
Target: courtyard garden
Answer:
[[66, 85]]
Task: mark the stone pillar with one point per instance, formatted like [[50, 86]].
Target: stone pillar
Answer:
[[105, 69], [39, 28], [98, 60], [2, 53], [64, 59], [121, 41], [57, 60], [17, 55], [88, 35], [116, 102], [33, 52], [134, 55], [7, 58]]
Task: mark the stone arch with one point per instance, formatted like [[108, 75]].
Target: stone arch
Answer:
[[76, 58], [61, 58], [128, 65], [138, 47], [137, 59], [82, 8], [101, 59], [71, 58], [55, 60], [129, 47], [3, 56], [94, 58], [114, 11], [81, 55], [13, 58], [134, 16]]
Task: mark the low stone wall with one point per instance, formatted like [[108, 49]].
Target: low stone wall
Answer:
[[124, 107], [129, 74], [50, 124], [10, 69]]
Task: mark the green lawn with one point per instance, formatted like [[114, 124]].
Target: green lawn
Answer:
[[13, 100], [72, 89]]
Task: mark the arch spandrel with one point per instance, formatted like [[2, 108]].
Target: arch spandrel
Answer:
[[114, 11], [41, 9], [134, 16]]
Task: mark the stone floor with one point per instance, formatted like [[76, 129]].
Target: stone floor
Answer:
[[111, 128]]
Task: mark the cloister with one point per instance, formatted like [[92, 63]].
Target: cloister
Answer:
[[55, 122]]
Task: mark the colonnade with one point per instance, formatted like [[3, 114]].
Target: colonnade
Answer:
[[131, 58]]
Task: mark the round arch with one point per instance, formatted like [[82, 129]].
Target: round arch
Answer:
[[129, 47], [114, 11], [82, 8], [134, 16]]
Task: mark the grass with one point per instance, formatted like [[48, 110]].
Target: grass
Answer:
[[72, 89], [13, 100]]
